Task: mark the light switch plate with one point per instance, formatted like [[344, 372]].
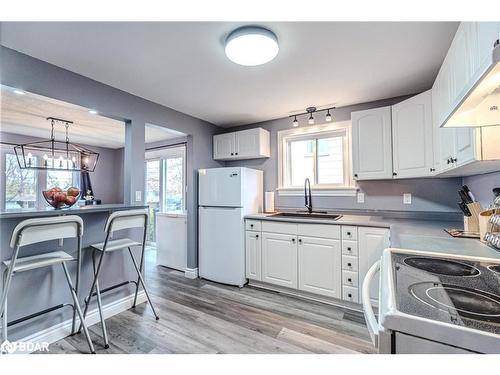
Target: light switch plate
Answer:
[[138, 195], [407, 198], [361, 197]]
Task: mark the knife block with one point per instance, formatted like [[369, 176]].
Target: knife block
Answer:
[[471, 223]]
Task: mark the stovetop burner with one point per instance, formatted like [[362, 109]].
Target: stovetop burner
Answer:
[[495, 268], [442, 266], [458, 300]]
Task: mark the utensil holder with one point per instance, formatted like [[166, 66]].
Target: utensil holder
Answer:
[[471, 223]]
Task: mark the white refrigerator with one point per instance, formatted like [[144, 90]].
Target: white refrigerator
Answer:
[[225, 196]]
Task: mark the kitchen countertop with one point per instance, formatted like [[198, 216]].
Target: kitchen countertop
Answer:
[[75, 210], [428, 235]]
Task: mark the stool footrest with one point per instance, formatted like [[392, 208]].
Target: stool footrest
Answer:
[[34, 315], [113, 287]]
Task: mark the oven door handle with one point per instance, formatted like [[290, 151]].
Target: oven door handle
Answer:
[[371, 320]]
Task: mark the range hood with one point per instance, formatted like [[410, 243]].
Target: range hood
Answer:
[[481, 105]]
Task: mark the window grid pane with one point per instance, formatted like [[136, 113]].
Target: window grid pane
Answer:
[[20, 184], [301, 161], [330, 161]]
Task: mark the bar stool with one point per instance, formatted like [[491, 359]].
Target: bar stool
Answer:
[[118, 221], [33, 231]]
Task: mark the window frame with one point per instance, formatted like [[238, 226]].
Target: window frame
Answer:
[[348, 188], [40, 175]]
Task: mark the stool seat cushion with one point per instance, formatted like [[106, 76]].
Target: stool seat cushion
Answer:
[[116, 244], [39, 260]]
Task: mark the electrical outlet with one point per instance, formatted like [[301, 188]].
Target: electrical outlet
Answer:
[[407, 198], [361, 197], [138, 195]]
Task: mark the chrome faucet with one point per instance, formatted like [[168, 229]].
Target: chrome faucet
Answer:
[[307, 195]]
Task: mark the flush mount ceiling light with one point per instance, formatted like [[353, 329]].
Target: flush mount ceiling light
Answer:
[[251, 46], [309, 111]]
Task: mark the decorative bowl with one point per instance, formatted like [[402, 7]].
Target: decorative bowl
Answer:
[[59, 198]]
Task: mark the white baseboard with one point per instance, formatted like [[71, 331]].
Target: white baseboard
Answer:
[[63, 329], [191, 273]]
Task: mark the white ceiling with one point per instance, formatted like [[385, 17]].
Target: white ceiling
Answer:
[[182, 64], [26, 115]]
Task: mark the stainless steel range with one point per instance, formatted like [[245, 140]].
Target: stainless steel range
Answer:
[[435, 303]]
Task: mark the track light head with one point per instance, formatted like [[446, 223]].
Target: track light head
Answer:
[[295, 122], [328, 117]]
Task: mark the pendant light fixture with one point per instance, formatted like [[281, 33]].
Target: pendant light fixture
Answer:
[[56, 155], [310, 120]]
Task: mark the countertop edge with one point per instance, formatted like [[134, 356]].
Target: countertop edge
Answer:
[[71, 211]]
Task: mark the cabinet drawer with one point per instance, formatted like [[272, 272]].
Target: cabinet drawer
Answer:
[[350, 293], [278, 227], [349, 233], [349, 263], [319, 230], [350, 278], [253, 225], [350, 247]]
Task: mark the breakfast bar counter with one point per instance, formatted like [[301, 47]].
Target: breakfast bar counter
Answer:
[[39, 289]]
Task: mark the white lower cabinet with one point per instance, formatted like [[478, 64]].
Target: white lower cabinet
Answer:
[[253, 255], [372, 242], [279, 259], [320, 266], [324, 259]]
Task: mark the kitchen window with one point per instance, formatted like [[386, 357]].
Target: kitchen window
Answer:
[[22, 188], [320, 153]]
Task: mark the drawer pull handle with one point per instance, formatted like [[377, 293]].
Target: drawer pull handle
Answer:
[[348, 233], [349, 295], [348, 249], [293, 240], [300, 240], [256, 236], [251, 225], [350, 280], [349, 264]]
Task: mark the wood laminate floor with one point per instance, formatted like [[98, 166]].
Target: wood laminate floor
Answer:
[[198, 316]]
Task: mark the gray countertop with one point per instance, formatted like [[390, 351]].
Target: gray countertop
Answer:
[[428, 235], [75, 210]]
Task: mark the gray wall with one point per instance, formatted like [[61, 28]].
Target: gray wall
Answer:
[[105, 179], [482, 185], [431, 194], [36, 76]]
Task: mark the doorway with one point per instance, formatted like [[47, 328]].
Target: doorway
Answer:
[[165, 183]]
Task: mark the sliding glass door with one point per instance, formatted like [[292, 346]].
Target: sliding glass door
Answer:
[[165, 183]]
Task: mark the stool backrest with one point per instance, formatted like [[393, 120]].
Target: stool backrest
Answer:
[[36, 230], [126, 219]]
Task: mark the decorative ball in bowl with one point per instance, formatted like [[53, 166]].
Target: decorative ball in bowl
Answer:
[[59, 198]]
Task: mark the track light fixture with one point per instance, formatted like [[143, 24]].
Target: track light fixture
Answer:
[[309, 111]]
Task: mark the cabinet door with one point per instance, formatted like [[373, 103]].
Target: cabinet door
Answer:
[[462, 59], [412, 134], [253, 252], [371, 244], [279, 259], [320, 266], [372, 144], [224, 146], [464, 146], [247, 143], [487, 33]]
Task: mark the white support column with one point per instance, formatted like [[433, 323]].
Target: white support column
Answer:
[[133, 167]]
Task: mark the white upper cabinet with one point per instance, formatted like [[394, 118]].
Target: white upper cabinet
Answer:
[[469, 55], [371, 144], [412, 137], [244, 144]]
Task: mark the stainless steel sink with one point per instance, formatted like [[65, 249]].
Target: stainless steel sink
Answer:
[[307, 215]]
